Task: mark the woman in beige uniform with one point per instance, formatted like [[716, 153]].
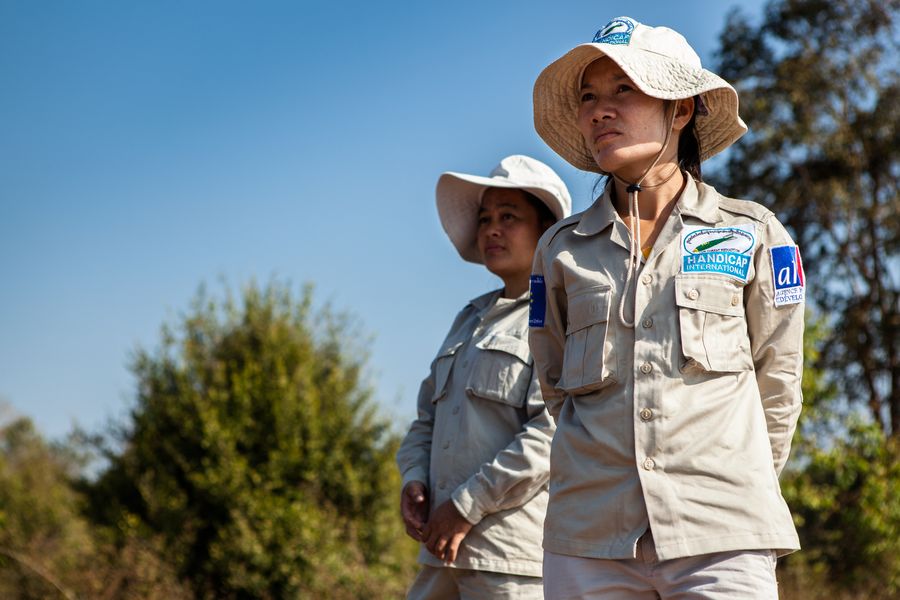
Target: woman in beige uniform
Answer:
[[667, 325], [475, 462]]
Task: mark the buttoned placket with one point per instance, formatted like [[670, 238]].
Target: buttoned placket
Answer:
[[649, 362], [455, 404], [646, 366], [451, 410]]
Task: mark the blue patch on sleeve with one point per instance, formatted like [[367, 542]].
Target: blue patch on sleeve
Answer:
[[538, 306], [787, 274]]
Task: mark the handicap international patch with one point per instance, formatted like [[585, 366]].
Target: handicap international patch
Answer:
[[722, 250], [618, 31], [787, 273], [538, 303]]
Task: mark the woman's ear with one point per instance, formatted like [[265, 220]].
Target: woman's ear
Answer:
[[684, 110]]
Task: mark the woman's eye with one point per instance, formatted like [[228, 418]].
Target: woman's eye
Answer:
[[623, 88], [587, 97]]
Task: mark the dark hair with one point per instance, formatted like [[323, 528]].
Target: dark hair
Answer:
[[546, 218], [689, 146]]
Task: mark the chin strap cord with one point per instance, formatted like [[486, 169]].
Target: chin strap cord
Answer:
[[634, 248]]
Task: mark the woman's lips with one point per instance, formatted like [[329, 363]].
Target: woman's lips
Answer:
[[604, 136]]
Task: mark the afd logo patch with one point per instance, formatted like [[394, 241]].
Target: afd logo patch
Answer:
[[787, 273], [722, 250], [618, 31], [537, 307]]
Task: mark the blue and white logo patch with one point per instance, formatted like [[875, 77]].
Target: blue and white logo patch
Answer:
[[537, 308], [618, 31], [722, 250], [787, 273]]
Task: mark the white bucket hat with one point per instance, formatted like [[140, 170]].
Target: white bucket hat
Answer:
[[459, 197], [661, 64]]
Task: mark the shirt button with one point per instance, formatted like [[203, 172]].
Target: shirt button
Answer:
[[735, 300], [648, 464], [646, 414], [455, 410], [693, 294], [648, 323], [646, 368], [646, 279], [465, 364], [443, 485], [446, 445]]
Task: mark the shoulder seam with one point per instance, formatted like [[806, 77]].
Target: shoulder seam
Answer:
[[748, 208]]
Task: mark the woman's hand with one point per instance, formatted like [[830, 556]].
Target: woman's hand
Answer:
[[445, 531], [414, 508]]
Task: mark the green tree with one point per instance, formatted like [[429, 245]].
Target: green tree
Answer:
[[843, 486], [41, 534], [255, 452], [819, 83], [47, 548]]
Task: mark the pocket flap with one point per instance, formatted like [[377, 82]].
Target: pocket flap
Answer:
[[443, 362], [502, 372], [711, 294], [587, 308], [516, 346], [448, 349]]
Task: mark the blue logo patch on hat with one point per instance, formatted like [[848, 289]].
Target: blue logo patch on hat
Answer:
[[617, 31], [537, 308], [787, 271]]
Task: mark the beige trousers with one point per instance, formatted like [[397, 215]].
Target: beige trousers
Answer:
[[437, 583], [739, 575]]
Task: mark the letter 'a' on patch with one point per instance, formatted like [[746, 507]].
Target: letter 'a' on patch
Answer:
[[787, 274], [538, 303]]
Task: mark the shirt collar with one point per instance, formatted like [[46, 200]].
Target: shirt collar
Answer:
[[695, 201], [486, 301], [699, 201], [599, 216]]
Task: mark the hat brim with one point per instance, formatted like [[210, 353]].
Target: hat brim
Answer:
[[556, 94], [459, 200]]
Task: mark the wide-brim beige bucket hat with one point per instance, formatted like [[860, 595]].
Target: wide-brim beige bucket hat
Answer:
[[661, 64], [459, 197]]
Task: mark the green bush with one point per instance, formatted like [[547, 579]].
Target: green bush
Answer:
[[255, 454]]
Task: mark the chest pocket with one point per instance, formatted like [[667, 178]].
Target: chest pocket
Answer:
[[712, 322], [589, 362], [502, 370], [442, 366]]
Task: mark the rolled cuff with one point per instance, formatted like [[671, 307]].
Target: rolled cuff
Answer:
[[469, 504], [415, 474]]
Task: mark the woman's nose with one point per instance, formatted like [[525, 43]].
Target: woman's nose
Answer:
[[601, 111], [492, 228]]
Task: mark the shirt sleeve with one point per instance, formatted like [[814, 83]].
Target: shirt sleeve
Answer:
[[776, 341], [547, 330], [414, 455], [517, 472]]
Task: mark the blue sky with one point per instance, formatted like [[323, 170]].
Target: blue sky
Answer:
[[149, 147]]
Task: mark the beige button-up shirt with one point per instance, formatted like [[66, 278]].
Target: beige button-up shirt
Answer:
[[683, 423], [482, 438]]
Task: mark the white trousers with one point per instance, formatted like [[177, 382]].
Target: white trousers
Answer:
[[738, 575], [438, 583]]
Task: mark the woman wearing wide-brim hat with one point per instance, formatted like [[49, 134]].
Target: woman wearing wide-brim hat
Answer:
[[667, 325], [475, 462]]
